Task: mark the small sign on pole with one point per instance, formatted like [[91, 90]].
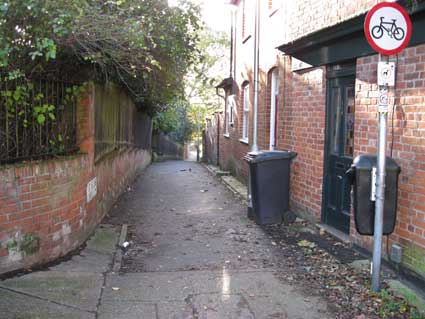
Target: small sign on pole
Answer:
[[386, 73], [383, 100], [388, 30]]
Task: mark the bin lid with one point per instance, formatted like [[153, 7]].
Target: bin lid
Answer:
[[367, 161], [262, 156]]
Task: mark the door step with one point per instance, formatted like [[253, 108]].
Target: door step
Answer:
[[335, 233]]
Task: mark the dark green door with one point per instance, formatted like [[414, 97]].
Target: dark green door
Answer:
[[339, 148]]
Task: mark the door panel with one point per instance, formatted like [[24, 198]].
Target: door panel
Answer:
[[339, 151]]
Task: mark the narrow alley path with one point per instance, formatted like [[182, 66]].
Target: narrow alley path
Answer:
[[194, 254]]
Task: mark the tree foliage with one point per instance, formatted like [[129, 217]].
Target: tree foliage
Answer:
[[200, 99], [209, 70], [175, 122], [144, 45], [205, 75]]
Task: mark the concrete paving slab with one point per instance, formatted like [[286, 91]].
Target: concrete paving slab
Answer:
[[218, 306], [174, 310], [127, 310], [159, 286], [80, 289], [104, 240], [213, 294], [274, 307], [87, 260], [18, 306], [195, 254], [70, 289]]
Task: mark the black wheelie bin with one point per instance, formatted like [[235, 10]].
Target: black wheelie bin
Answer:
[[268, 189]]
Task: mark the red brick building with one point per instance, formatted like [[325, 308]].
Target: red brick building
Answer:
[[317, 96]]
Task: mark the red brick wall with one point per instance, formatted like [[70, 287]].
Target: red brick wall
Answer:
[[307, 16], [301, 121], [408, 149], [263, 113], [231, 149], [44, 212]]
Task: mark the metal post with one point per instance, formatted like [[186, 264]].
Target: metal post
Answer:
[[380, 190], [232, 23], [254, 147]]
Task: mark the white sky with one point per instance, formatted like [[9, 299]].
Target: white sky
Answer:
[[215, 13]]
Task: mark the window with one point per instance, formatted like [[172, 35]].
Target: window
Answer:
[[245, 115], [230, 106], [227, 117]]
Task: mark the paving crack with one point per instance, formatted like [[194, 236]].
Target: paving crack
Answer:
[[27, 294], [114, 264], [156, 311], [99, 301]]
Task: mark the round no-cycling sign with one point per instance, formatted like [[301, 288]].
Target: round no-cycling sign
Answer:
[[388, 28]]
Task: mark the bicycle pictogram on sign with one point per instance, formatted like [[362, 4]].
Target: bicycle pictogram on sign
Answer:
[[388, 28], [391, 29]]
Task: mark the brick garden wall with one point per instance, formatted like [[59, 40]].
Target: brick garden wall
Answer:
[[210, 139], [44, 211]]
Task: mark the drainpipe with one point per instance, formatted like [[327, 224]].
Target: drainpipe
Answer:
[[218, 138], [232, 25], [254, 147], [218, 126]]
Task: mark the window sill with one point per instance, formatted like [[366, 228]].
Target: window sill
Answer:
[[244, 141], [246, 39], [227, 135], [272, 11]]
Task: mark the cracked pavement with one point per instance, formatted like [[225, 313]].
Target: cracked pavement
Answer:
[[70, 289], [193, 254]]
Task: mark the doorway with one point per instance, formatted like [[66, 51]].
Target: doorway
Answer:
[[340, 111]]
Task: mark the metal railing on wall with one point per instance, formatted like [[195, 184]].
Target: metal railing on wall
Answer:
[[37, 118], [118, 124]]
